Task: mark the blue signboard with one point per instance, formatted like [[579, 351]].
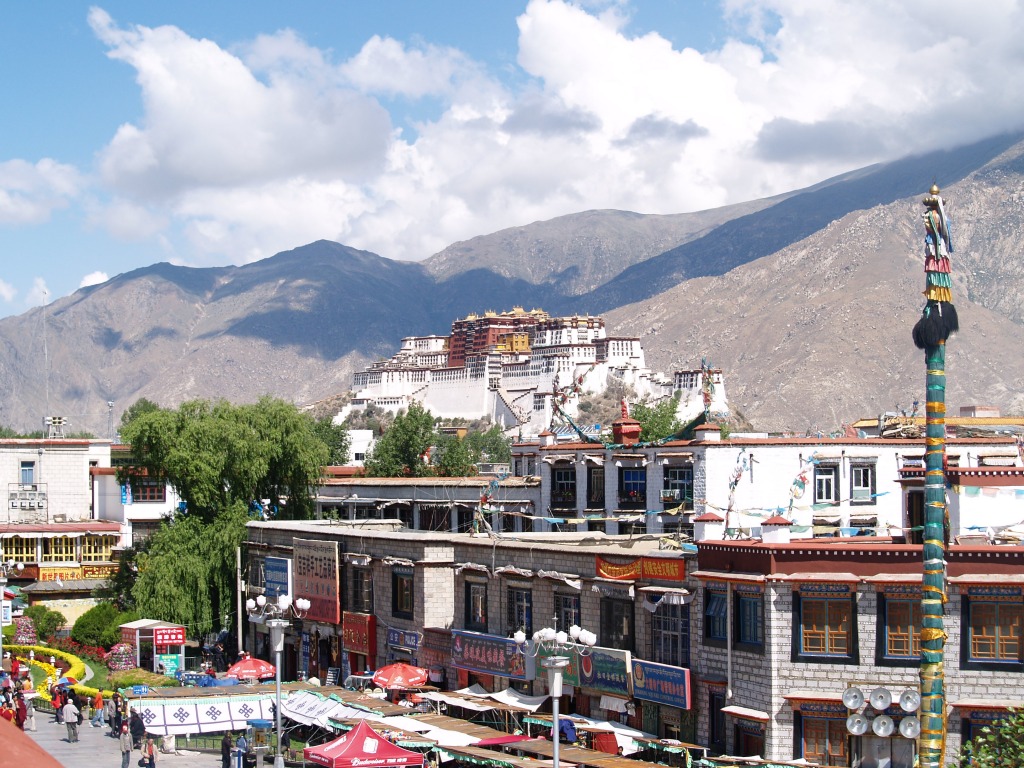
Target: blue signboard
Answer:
[[491, 655], [277, 576], [403, 639], [661, 683], [140, 690]]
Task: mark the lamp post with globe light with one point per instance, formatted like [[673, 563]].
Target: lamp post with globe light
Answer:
[[275, 614], [558, 646], [5, 569]]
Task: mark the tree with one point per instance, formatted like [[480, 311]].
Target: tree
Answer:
[[454, 457], [997, 746], [47, 621], [220, 458], [336, 438], [136, 409], [491, 445], [657, 421], [401, 450]]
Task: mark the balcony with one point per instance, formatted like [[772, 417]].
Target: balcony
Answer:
[[563, 500]]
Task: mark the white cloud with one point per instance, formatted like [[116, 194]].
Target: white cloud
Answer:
[[38, 294], [272, 144], [29, 193], [7, 292], [94, 278]]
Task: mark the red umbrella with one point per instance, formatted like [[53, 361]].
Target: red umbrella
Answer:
[[400, 675], [251, 669]]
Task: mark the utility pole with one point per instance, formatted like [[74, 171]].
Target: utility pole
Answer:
[[938, 321]]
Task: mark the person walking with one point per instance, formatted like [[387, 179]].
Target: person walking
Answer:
[[30, 715], [98, 711], [225, 750], [125, 742], [20, 710], [70, 713]]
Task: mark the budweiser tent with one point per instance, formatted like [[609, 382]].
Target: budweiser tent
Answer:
[[363, 747], [251, 669], [400, 675]]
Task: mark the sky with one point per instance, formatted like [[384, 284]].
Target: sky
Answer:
[[207, 134]]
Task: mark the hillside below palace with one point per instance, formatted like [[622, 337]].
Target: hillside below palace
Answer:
[[518, 368]]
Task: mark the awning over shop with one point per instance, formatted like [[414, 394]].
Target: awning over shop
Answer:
[[746, 713]]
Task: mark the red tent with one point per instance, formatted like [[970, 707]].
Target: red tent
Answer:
[[400, 675], [363, 747], [251, 669]]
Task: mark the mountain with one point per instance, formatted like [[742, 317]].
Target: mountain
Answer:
[[806, 300]]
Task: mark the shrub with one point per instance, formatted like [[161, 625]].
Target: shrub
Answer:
[[112, 635], [91, 625], [91, 652], [46, 621], [129, 677]]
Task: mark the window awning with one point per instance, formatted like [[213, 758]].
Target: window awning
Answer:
[[558, 457], [795, 697], [746, 713], [594, 459], [613, 704]]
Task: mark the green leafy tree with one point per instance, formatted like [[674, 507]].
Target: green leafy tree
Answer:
[[490, 445], [47, 621], [402, 449], [657, 421], [220, 458], [997, 746], [112, 635], [453, 456], [336, 438], [91, 626], [136, 409]]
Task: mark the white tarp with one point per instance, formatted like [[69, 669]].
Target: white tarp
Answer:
[[514, 698], [166, 717], [477, 704], [623, 733]]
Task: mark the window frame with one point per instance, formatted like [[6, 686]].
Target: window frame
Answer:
[[26, 552], [670, 628], [909, 599], [519, 609], [633, 487], [831, 473], [988, 597], [475, 590], [27, 469], [832, 596], [611, 609], [745, 602], [98, 548], [563, 486], [830, 724], [860, 467], [678, 477], [567, 609], [361, 595], [716, 627], [148, 490], [52, 554], [403, 593]]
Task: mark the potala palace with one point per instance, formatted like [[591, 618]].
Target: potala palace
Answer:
[[517, 367]]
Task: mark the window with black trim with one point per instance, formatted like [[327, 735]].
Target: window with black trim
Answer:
[[826, 484], [567, 609], [519, 610], [670, 634], [361, 590], [617, 627], [825, 624], [148, 489], [749, 612], [899, 627], [402, 605], [563, 487], [992, 619], [476, 606], [678, 487], [716, 723], [715, 614], [862, 484], [632, 488]]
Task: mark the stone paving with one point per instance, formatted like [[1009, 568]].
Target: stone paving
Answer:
[[95, 749]]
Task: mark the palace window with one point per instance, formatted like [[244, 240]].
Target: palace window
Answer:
[[97, 549], [824, 625], [402, 593], [900, 638], [476, 606]]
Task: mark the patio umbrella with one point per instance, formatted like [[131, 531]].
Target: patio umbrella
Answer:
[[400, 675], [251, 669], [67, 681]]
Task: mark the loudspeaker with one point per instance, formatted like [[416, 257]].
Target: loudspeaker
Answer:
[[857, 725], [883, 726], [910, 727], [853, 698], [910, 701], [880, 699]]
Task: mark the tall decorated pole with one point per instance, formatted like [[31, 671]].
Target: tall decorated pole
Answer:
[[938, 321]]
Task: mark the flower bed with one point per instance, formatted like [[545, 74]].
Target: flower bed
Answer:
[[92, 652], [75, 668]]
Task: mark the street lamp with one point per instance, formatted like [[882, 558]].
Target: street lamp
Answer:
[[275, 612], [5, 569], [563, 645]]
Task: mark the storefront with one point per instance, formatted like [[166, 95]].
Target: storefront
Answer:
[[358, 643], [481, 658]]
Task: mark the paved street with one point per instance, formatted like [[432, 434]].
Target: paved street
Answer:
[[97, 750]]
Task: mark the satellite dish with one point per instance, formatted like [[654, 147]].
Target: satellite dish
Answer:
[[883, 726], [880, 699], [910, 727], [857, 725], [853, 698], [910, 701]]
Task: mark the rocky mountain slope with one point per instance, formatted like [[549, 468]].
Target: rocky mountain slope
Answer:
[[806, 300]]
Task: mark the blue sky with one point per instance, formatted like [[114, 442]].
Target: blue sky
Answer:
[[220, 133]]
